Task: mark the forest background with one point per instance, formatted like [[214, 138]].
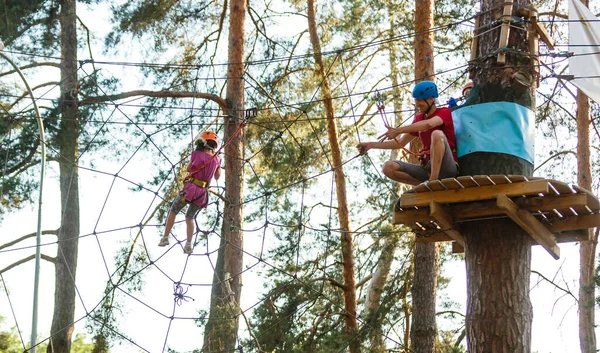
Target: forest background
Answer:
[[132, 295]]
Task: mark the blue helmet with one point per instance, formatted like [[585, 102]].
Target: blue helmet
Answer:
[[424, 90]]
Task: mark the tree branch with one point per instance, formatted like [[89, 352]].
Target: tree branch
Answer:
[[331, 281], [29, 66], [364, 280], [28, 258], [25, 161], [158, 94], [568, 292], [31, 235]]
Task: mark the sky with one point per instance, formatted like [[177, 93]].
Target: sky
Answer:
[[108, 204]]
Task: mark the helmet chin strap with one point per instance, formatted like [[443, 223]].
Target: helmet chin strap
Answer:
[[429, 106]]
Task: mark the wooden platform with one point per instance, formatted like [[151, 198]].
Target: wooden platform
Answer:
[[549, 210]]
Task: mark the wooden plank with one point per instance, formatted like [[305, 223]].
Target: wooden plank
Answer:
[[575, 222], [548, 203], [474, 194], [467, 181], [582, 210], [541, 30], [517, 178], [561, 187], [452, 184], [533, 46], [504, 32], [433, 237], [484, 209], [444, 219], [571, 236], [436, 185], [483, 180], [552, 190], [457, 248], [397, 206], [500, 179], [421, 188], [412, 216], [475, 39], [593, 202], [531, 225], [461, 212], [566, 212]]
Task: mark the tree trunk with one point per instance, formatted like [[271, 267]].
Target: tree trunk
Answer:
[[340, 187], [220, 333], [394, 75], [498, 252], [498, 265], [68, 139], [587, 249], [384, 263], [424, 329], [373, 316]]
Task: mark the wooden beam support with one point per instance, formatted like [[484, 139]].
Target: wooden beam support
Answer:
[[474, 194], [457, 248], [474, 45], [530, 224], [541, 30], [444, 220], [576, 222], [412, 216], [433, 238], [504, 32], [461, 212], [534, 45]]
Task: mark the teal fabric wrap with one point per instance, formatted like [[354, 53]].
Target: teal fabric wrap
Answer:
[[501, 127]]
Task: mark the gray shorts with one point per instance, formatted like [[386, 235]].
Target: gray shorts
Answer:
[[448, 169], [178, 204]]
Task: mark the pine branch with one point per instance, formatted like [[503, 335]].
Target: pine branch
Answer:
[[157, 94], [24, 260], [31, 235], [28, 66], [331, 281]]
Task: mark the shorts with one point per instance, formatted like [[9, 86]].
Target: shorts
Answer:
[[178, 204], [448, 169]]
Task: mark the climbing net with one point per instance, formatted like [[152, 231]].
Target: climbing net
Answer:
[[155, 299]]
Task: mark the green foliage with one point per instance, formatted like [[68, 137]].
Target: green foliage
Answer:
[[10, 342]]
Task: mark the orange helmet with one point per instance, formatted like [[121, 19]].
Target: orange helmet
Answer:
[[469, 85], [209, 136]]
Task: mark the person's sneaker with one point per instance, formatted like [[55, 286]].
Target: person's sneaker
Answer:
[[164, 241], [187, 249]]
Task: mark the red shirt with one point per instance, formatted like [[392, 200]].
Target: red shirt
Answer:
[[447, 128]]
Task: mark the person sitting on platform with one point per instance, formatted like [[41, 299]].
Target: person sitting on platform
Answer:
[[435, 128]]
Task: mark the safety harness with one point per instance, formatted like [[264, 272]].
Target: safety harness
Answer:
[[250, 113], [198, 182]]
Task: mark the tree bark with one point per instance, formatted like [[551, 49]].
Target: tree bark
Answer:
[[221, 329], [499, 311], [423, 332], [384, 263], [587, 249], [68, 140], [498, 252], [351, 324]]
